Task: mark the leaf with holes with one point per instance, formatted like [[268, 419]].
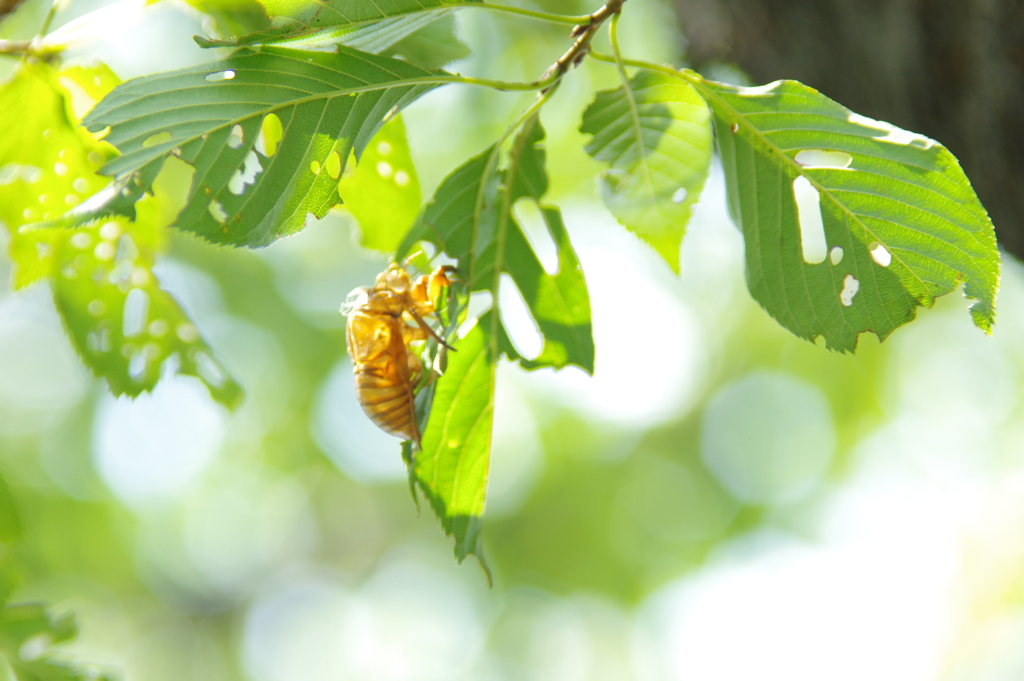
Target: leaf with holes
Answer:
[[382, 191], [655, 134], [452, 467], [28, 633], [849, 223], [559, 302], [122, 324], [268, 133], [47, 164], [368, 26]]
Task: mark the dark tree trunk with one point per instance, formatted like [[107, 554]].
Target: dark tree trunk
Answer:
[[950, 69]]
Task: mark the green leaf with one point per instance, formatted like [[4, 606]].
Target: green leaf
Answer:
[[10, 522], [103, 269], [452, 466], [898, 222], [383, 191], [655, 134], [368, 26], [122, 323], [234, 17], [558, 303], [269, 135], [47, 163], [27, 634], [433, 46]]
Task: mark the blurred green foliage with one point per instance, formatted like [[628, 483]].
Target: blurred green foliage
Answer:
[[280, 541]]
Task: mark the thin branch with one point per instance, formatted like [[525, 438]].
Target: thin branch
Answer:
[[544, 16], [584, 34], [16, 47]]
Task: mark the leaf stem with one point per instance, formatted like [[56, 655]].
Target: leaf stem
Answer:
[[54, 6], [544, 16], [481, 194], [15, 48], [584, 33]]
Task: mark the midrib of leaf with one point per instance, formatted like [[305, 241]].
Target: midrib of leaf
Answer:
[[634, 115], [452, 409], [409, 82], [503, 218]]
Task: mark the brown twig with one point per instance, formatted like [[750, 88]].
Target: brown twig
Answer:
[[584, 33], [15, 47]]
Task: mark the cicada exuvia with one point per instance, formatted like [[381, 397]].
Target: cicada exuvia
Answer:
[[386, 322]]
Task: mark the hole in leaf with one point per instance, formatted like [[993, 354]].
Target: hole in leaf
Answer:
[[314, 166], [879, 254], [137, 367], [836, 255], [151, 351], [60, 169], [537, 235], [81, 185], [104, 251], [384, 169], [209, 370], [269, 135], [680, 195], [333, 165], [812, 229], [220, 75], [246, 175], [218, 212], [236, 137], [14, 171], [157, 328], [479, 303], [159, 138], [383, 148], [850, 288], [136, 307], [97, 307], [110, 231], [139, 276], [81, 240], [402, 178], [821, 158], [891, 132], [519, 323], [187, 333]]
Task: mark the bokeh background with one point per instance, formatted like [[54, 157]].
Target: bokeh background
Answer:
[[721, 501]]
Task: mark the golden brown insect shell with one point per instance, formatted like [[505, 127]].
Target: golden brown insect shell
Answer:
[[385, 368]]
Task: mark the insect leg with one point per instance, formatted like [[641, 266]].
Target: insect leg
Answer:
[[429, 331]]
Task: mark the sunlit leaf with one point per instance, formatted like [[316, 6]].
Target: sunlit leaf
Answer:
[[120, 321], [28, 633], [268, 133], [558, 303], [452, 469], [655, 134], [849, 223], [47, 164], [234, 18], [10, 522], [382, 191], [368, 26], [433, 46], [452, 466]]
